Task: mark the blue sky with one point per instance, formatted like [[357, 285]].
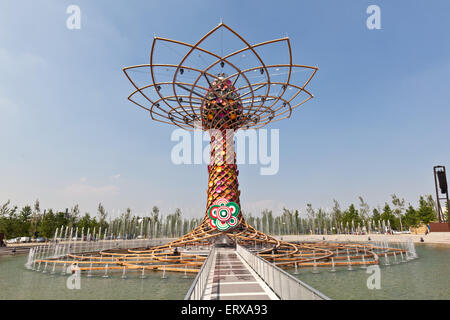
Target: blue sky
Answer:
[[378, 124]]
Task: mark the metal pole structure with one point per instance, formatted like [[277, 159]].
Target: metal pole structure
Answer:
[[441, 182]]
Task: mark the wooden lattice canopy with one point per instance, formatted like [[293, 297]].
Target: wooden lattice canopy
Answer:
[[200, 94]]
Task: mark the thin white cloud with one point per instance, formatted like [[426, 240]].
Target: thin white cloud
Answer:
[[14, 63], [84, 189], [8, 106], [117, 176], [83, 179]]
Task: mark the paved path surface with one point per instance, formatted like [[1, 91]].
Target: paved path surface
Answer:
[[231, 278], [433, 237]]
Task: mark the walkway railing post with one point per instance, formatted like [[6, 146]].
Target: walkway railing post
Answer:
[[279, 280], [197, 288]]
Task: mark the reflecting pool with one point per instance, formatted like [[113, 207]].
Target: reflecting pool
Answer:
[[17, 282], [424, 278]]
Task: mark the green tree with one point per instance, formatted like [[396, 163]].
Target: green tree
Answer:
[[287, 221], [296, 221], [73, 216], [102, 214], [351, 215], [24, 221], [5, 210], [321, 220], [446, 212], [84, 223], [336, 215], [35, 218], [126, 222], [155, 214], [61, 219], [376, 215], [37, 207], [48, 225], [412, 218], [426, 211], [399, 207], [364, 208], [8, 220], [388, 215], [310, 212]]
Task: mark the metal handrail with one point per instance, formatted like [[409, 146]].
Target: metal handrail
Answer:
[[197, 288], [294, 289]]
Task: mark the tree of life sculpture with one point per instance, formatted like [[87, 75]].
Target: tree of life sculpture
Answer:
[[222, 104], [221, 96]]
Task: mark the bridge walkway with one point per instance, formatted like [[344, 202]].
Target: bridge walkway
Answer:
[[231, 278]]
